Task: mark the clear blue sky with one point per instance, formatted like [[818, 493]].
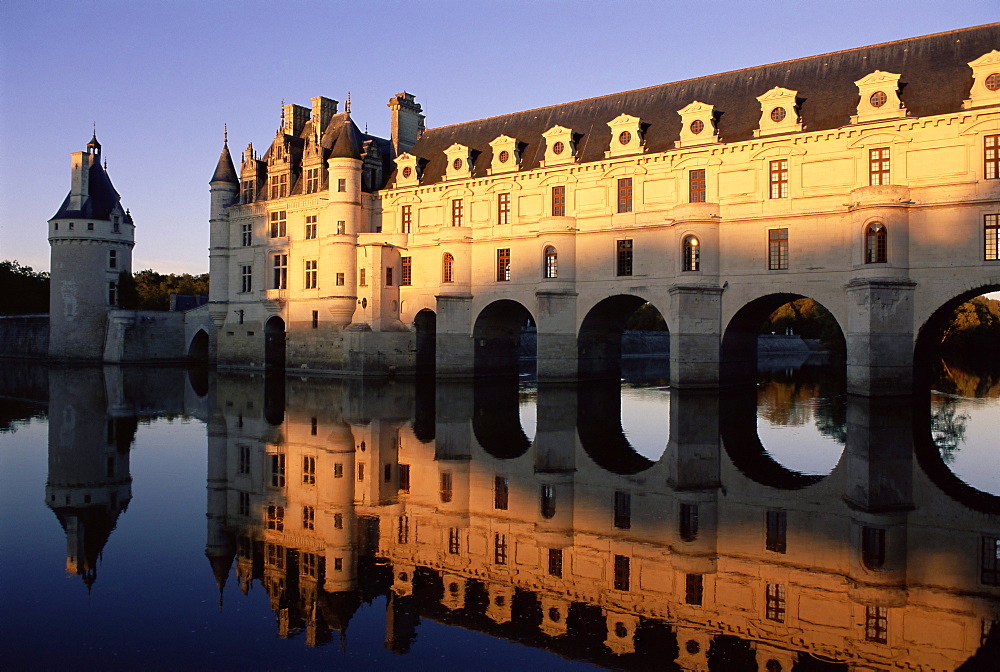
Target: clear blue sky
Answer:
[[160, 79]]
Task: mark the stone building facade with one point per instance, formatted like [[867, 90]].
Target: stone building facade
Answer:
[[866, 179]]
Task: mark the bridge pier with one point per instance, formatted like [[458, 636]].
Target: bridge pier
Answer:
[[695, 335], [556, 349], [455, 353], [880, 336]]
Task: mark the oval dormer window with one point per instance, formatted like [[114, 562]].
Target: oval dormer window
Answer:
[[878, 99], [993, 81], [778, 114], [504, 156], [558, 148], [457, 164], [697, 126], [624, 138], [407, 172]]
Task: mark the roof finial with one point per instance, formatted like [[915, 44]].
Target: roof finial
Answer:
[[225, 134], [347, 106], [105, 165], [282, 112]]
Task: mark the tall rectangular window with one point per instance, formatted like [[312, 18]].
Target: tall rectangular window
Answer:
[[312, 180], [624, 259], [112, 258], [277, 470], [246, 234], [338, 470], [622, 572], [403, 530], [778, 178], [341, 185], [873, 547], [559, 201], [244, 504], [776, 522], [280, 271], [500, 548], [308, 470], [989, 569], [406, 219], [453, 540], [877, 624], [696, 186], [406, 271], [315, 325], [338, 521], [247, 191], [116, 226], [688, 522], [310, 227], [991, 157], [275, 517], [693, 589], [775, 602], [308, 518], [457, 210], [547, 500], [278, 220], [878, 166], [362, 278], [404, 478], [503, 208], [555, 562], [777, 249], [503, 265], [112, 293], [244, 459], [341, 227], [446, 487], [991, 227], [310, 565], [625, 194], [623, 510], [312, 270], [340, 279], [279, 185], [500, 493]]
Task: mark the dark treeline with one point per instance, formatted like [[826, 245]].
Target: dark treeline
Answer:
[[972, 336], [25, 290]]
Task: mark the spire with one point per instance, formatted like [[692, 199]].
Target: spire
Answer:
[[347, 105], [225, 135], [225, 170]]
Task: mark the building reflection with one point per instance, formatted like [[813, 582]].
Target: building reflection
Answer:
[[713, 557]]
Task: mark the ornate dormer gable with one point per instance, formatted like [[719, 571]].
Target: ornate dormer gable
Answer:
[[778, 112], [252, 171], [879, 98], [626, 136], [407, 170], [559, 146], [697, 125], [371, 167], [506, 155], [459, 162], [986, 80]]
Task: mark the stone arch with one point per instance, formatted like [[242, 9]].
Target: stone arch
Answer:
[[425, 326], [738, 355], [496, 421], [497, 338], [599, 341], [274, 343], [198, 347], [599, 426]]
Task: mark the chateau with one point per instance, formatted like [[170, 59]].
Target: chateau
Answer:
[[866, 179]]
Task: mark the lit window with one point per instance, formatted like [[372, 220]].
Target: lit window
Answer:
[[500, 493], [623, 510], [624, 260], [775, 602], [280, 271], [625, 194], [278, 223], [551, 262], [503, 208], [693, 589], [308, 518], [340, 279], [279, 185], [624, 138], [622, 572], [275, 517], [246, 275], [692, 254], [362, 277], [558, 148], [776, 528], [875, 244], [310, 227], [277, 470], [877, 624], [559, 201], [448, 268], [406, 219], [342, 184], [453, 540], [555, 562], [696, 186], [403, 530], [504, 156], [779, 178], [878, 166], [992, 230], [311, 273], [991, 158], [500, 548], [341, 227], [246, 234], [503, 265], [777, 249], [406, 271], [457, 209], [993, 81], [308, 470], [547, 500], [878, 99], [312, 180]]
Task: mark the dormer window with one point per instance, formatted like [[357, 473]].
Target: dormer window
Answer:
[[457, 164], [116, 225], [697, 125], [778, 115], [879, 94], [506, 155], [986, 80], [626, 136], [279, 185], [778, 112], [406, 170], [459, 159], [560, 147]]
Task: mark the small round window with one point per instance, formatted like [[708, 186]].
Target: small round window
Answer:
[[878, 99], [558, 148], [504, 156], [457, 164], [407, 172], [778, 114], [697, 126], [993, 81], [624, 138]]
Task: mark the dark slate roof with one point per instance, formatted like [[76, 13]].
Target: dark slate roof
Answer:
[[103, 198], [225, 170], [346, 146], [935, 79]]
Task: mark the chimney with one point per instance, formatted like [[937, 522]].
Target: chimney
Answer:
[[322, 110], [80, 188], [407, 122], [296, 117]]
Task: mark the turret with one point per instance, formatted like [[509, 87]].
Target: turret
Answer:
[[224, 188], [344, 208]]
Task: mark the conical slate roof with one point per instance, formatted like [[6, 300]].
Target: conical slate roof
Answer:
[[225, 170]]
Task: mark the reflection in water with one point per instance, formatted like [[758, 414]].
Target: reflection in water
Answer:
[[328, 498]]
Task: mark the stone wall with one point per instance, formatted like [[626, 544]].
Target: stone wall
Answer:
[[24, 336]]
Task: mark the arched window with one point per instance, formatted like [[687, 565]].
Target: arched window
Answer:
[[875, 244], [692, 254], [448, 268], [551, 262]]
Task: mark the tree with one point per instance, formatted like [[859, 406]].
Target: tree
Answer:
[[24, 290], [154, 289]]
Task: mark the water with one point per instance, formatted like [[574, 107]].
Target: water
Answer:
[[236, 522]]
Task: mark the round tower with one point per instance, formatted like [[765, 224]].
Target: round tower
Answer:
[[91, 239], [344, 209], [224, 188]]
